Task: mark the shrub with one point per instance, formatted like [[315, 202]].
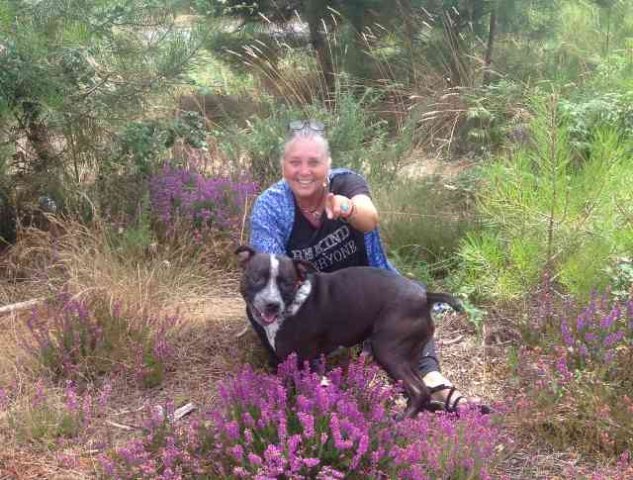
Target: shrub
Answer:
[[208, 206], [293, 425], [541, 209], [79, 341], [581, 379], [55, 418]]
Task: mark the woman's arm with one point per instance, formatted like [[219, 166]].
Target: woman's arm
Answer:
[[266, 234], [359, 211]]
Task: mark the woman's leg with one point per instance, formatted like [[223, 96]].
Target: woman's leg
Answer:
[[442, 389], [429, 362]]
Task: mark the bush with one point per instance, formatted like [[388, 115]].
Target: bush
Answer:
[[581, 377], [207, 206], [542, 209], [79, 341], [55, 418], [292, 425]]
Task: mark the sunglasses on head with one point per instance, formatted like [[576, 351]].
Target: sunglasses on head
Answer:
[[298, 125]]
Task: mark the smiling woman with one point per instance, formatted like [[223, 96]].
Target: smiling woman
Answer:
[[326, 216]]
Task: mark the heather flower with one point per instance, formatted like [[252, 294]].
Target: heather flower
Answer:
[[289, 425], [72, 404], [213, 205], [104, 395], [78, 341], [600, 332]]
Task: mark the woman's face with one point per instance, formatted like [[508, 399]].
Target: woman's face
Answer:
[[305, 167]]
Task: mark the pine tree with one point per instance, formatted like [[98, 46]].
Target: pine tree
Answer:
[[73, 71]]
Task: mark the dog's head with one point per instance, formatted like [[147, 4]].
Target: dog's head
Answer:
[[270, 283]]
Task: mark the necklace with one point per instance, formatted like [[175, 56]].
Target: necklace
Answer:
[[315, 213]]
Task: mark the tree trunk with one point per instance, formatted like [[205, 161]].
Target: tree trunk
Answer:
[[315, 12], [489, 48], [406, 13], [38, 136]]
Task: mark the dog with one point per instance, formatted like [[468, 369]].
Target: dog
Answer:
[[295, 308]]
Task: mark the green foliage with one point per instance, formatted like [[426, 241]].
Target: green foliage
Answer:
[[542, 210], [143, 145], [45, 423], [565, 41], [621, 278], [422, 222], [495, 114], [588, 115], [72, 72], [136, 239]]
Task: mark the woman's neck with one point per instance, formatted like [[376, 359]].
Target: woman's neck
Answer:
[[313, 202]]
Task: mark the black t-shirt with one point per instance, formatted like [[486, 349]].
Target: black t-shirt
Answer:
[[335, 244]]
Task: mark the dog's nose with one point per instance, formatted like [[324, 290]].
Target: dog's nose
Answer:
[[272, 307]]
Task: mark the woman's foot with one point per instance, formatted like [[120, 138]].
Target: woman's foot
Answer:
[[446, 397]]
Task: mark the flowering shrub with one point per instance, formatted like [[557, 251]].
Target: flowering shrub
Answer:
[[79, 341], [598, 335], [58, 418], [208, 205], [292, 425], [582, 382]]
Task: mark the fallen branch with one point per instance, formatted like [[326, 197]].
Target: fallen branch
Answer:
[[244, 331], [16, 307], [120, 425], [457, 339], [182, 411]]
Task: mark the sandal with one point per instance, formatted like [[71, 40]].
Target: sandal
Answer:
[[451, 405]]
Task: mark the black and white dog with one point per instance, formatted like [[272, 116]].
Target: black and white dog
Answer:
[[297, 309]]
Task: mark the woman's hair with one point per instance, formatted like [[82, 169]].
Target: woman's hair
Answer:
[[307, 133]]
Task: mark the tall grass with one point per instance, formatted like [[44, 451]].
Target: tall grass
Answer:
[[113, 263], [423, 221]]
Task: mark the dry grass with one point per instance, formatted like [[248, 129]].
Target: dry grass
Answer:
[[84, 261]]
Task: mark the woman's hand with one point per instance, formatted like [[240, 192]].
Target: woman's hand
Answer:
[[338, 206], [359, 211]]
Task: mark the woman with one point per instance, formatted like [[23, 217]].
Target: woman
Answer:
[[326, 216]]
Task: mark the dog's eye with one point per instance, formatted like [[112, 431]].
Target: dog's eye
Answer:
[[257, 281], [285, 283]]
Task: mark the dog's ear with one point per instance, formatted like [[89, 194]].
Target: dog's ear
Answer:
[[244, 253], [304, 267]]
